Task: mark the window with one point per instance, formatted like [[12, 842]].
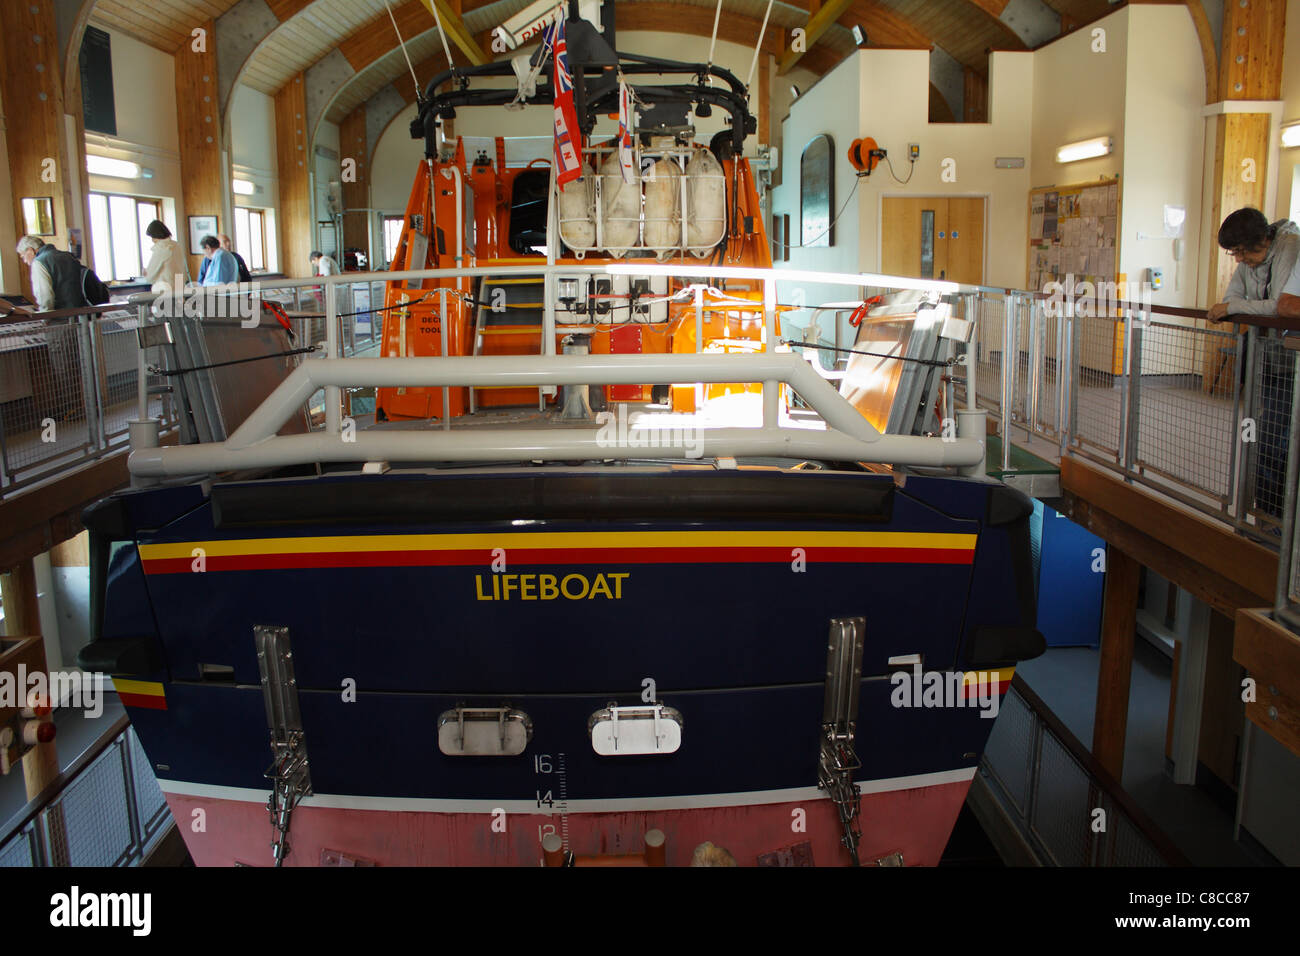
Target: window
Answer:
[[117, 225], [250, 237], [393, 226]]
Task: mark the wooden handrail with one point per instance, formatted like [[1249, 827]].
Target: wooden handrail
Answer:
[[64, 780], [1163, 845]]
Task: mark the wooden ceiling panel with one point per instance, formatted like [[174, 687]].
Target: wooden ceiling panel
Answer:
[[165, 24]]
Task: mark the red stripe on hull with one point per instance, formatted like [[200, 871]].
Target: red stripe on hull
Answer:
[[917, 822], [528, 557], [148, 701]]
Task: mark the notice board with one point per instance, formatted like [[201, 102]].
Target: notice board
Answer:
[[1074, 230]]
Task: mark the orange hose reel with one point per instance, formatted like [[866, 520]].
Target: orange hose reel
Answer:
[[863, 154]]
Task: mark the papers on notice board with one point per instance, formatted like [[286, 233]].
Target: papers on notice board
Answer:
[[1074, 232]]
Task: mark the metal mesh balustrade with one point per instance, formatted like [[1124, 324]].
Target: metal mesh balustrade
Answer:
[[150, 801], [95, 817], [1127, 845], [110, 813], [44, 417], [1062, 806], [990, 313], [1097, 407], [1186, 409], [1010, 750], [18, 851], [1264, 475], [1045, 780]]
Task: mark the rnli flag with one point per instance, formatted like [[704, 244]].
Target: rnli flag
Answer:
[[568, 138], [626, 159]]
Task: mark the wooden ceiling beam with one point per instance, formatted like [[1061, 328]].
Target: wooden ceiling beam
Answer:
[[456, 32], [818, 24]]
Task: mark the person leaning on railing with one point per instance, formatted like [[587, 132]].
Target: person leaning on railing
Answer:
[[57, 284], [1266, 256]]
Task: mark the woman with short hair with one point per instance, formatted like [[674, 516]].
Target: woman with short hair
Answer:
[[168, 264]]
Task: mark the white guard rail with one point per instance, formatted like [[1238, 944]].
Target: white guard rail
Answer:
[[847, 437]]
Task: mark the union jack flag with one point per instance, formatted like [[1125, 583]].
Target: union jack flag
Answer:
[[568, 139], [626, 156]]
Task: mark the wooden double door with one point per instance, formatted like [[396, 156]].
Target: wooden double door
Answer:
[[933, 237]]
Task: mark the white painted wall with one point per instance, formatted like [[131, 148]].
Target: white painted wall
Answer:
[[144, 94], [884, 94], [1164, 161], [1079, 94]]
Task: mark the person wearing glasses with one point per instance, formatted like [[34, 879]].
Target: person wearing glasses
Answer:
[[1266, 255]]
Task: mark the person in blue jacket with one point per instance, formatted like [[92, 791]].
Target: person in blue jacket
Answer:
[[222, 267]]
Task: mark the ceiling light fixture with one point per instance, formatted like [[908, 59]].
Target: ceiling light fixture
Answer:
[[117, 168], [1084, 149]]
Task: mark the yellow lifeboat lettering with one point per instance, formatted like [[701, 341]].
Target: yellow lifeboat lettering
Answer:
[[550, 587], [582, 580]]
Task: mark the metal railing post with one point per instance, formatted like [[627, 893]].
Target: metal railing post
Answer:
[[1062, 379], [1286, 555], [1233, 497], [1133, 336], [132, 806], [1033, 363], [771, 389], [1250, 450], [972, 350], [1010, 362], [142, 368], [442, 339], [333, 394]]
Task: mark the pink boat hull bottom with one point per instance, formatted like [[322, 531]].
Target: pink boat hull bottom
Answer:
[[916, 821]]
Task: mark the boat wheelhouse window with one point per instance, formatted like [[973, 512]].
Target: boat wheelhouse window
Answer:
[[528, 198]]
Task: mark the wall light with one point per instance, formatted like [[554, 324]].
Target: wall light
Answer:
[[117, 168], [1084, 149], [859, 35], [1291, 136], [242, 187], [794, 91]]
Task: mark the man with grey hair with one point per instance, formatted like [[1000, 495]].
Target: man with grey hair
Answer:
[[56, 275], [56, 284]]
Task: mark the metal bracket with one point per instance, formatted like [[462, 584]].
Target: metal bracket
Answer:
[[288, 773], [837, 758], [637, 729], [484, 731]]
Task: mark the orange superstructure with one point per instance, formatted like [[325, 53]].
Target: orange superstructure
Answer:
[[484, 213]]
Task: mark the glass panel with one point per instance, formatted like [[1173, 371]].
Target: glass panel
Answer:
[[242, 242], [257, 229], [145, 213], [126, 247], [927, 243], [392, 236], [101, 236]]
